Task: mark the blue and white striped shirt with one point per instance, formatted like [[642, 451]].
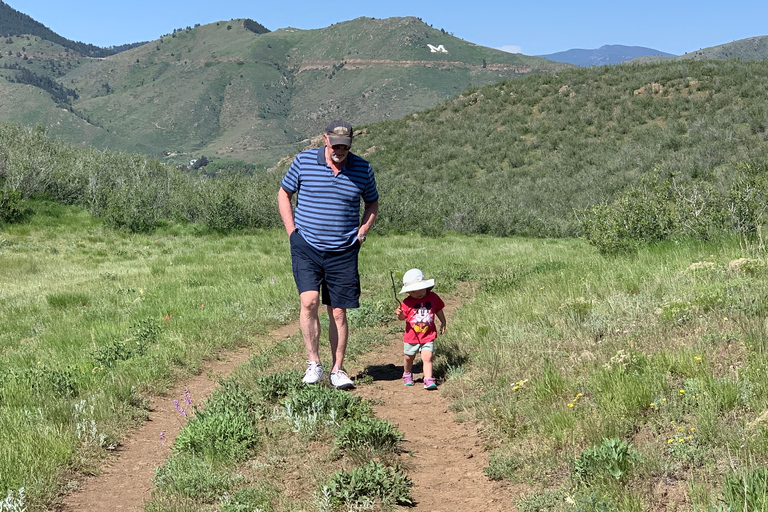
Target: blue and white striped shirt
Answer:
[[328, 207]]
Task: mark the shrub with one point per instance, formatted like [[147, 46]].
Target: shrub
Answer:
[[373, 482], [276, 386], [12, 207], [639, 216], [225, 430], [326, 402], [368, 437], [614, 458]]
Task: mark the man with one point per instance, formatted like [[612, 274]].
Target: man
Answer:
[[325, 234]]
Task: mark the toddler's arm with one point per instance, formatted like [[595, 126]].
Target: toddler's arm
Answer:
[[399, 312], [443, 321]]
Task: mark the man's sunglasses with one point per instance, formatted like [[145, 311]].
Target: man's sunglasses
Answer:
[[340, 147]]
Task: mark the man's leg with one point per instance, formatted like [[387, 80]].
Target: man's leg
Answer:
[[310, 324], [338, 332]]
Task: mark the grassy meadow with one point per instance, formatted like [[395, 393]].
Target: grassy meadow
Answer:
[[618, 383]]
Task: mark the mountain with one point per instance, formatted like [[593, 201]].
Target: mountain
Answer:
[[15, 23], [230, 90], [605, 55]]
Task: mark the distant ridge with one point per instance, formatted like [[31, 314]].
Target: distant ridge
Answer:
[[751, 49], [235, 90], [15, 23], [605, 55]]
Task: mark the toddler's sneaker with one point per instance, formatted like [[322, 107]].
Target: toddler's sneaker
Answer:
[[430, 384], [408, 379], [313, 374], [340, 380]]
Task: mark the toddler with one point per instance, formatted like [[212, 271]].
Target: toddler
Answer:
[[419, 310]]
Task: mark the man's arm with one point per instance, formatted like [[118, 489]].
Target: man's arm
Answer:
[[286, 210], [369, 216]]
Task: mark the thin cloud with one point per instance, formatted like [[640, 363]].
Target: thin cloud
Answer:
[[511, 49]]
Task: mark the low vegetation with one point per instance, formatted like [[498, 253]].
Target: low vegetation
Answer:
[[616, 383], [623, 371]]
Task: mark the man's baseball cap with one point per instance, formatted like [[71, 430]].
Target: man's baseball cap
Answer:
[[339, 132]]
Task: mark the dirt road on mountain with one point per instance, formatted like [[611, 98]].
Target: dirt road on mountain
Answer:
[[444, 458]]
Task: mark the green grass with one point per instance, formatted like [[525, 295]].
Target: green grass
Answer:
[[559, 351]]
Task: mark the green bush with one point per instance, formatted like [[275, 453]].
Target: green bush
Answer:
[[368, 437], [274, 387], [639, 216], [373, 482], [325, 403], [114, 351], [12, 207], [613, 458], [225, 430]]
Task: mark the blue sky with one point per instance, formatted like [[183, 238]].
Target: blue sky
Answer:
[[532, 28]]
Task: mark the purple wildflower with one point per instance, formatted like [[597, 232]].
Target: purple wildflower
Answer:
[[186, 397]]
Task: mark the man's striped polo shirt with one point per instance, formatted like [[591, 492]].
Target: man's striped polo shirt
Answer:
[[328, 207]]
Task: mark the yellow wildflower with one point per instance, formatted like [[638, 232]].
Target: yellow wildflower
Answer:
[[670, 441], [570, 405]]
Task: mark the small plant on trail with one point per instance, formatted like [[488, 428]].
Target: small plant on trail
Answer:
[[368, 437], [371, 483], [225, 430], [326, 401], [276, 386]]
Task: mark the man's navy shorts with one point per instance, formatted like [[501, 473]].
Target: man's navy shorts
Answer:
[[334, 273]]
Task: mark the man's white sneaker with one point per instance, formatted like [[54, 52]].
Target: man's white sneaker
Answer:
[[340, 380], [313, 374]]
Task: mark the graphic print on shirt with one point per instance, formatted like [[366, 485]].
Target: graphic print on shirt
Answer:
[[423, 317]]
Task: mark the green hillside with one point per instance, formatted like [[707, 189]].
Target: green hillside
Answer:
[[524, 156], [751, 48], [225, 91]]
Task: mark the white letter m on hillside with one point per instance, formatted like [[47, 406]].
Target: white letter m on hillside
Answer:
[[437, 49]]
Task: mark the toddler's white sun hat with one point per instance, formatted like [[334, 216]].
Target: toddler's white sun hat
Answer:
[[414, 280]]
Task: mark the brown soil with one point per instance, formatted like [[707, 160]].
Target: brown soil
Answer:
[[444, 458]]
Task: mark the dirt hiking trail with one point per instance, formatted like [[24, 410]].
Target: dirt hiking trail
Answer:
[[445, 459]]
